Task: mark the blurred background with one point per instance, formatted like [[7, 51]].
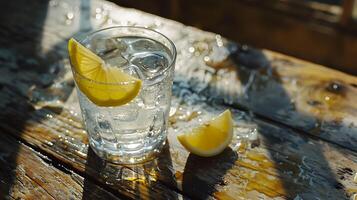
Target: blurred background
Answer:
[[321, 31]]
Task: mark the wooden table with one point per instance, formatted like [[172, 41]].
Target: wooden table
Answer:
[[295, 122]]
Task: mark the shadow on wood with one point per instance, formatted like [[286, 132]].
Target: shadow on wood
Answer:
[[136, 177], [212, 169], [19, 46], [28, 74], [259, 78]]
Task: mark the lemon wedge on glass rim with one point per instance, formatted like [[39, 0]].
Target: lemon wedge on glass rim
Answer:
[[103, 85], [211, 137]]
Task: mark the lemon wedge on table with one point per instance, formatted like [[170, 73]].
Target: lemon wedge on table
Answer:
[[103, 85], [211, 137]]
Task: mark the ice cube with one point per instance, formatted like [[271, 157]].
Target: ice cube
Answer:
[[113, 56], [104, 46], [120, 44], [150, 62], [143, 44], [115, 59], [101, 45], [134, 71]]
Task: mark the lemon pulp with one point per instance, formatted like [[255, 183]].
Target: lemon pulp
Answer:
[[103, 85], [210, 138]]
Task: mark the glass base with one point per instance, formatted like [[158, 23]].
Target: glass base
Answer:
[[135, 157]]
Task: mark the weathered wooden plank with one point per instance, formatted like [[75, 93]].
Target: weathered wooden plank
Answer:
[[26, 174], [282, 166], [283, 157], [284, 163], [309, 97], [312, 98], [32, 59], [63, 140]]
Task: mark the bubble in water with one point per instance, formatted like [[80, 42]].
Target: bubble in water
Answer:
[[150, 62], [156, 124], [130, 113], [150, 96]]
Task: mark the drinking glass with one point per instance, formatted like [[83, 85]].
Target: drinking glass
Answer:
[[136, 131]]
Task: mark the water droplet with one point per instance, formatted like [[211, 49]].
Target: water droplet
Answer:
[[191, 49], [73, 113], [219, 40], [206, 59], [131, 160], [98, 10], [70, 15], [49, 143], [49, 116], [336, 87], [80, 154], [69, 18]]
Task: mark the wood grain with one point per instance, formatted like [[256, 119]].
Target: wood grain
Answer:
[[314, 99], [280, 163], [61, 137], [311, 98], [266, 91], [27, 174], [36, 76]]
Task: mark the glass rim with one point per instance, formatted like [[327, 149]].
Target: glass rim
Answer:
[[169, 66]]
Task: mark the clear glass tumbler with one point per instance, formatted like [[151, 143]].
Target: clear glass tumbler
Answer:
[[136, 131]]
